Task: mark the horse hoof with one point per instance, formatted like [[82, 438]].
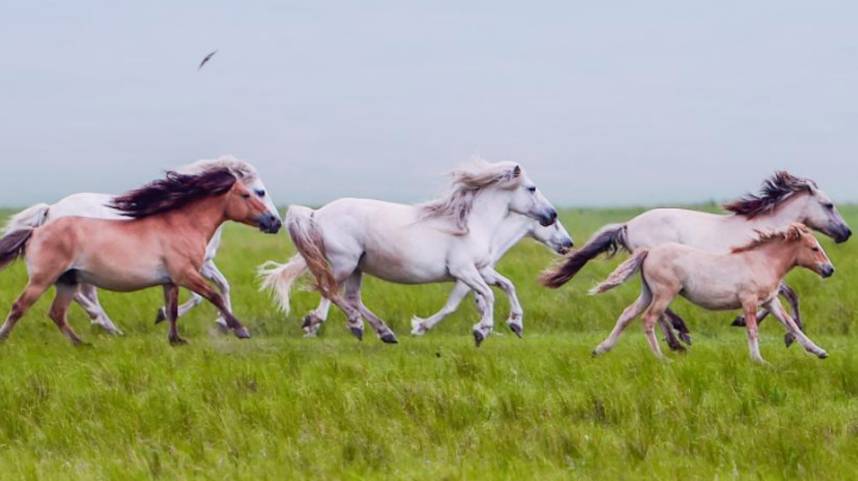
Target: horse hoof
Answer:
[[788, 339], [160, 317], [686, 337], [822, 355], [739, 321], [675, 346], [389, 338], [357, 332], [478, 337], [242, 333], [517, 330], [308, 322], [177, 341]]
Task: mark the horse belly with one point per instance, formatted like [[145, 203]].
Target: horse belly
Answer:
[[710, 296], [395, 269], [123, 279]]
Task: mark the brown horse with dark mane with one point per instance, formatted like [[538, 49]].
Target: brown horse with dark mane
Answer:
[[163, 243]]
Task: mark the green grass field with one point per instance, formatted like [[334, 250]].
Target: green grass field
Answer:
[[282, 407]]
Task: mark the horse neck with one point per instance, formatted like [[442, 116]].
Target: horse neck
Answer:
[[488, 212], [779, 256], [203, 216], [513, 228], [785, 214]]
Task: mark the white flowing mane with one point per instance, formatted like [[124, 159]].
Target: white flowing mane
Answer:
[[466, 183], [241, 169]]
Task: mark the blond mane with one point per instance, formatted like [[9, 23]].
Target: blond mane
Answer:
[[466, 183], [240, 169], [791, 234]]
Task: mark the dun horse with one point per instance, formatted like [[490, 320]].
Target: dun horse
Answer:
[[164, 243], [86, 204], [449, 239], [747, 278], [785, 199]]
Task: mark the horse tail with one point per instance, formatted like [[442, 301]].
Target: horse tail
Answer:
[[13, 245], [29, 218], [279, 278], [621, 273], [608, 239], [308, 240]]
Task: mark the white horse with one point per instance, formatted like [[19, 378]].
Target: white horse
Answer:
[[95, 205], [784, 200], [449, 239], [514, 228]]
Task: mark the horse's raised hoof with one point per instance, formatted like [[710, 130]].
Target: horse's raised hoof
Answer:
[[789, 338], [674, 345], [479, 337], [686, 337], [177, 341], [517, 330], [739, 321], [389, 338], [822, 355], [242, 333], [160, 316], [357, 332], [308, 322]]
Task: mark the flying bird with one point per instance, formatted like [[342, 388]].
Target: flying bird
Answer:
[[206, 59]]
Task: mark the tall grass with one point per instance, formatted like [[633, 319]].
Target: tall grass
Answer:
[[282, 407]]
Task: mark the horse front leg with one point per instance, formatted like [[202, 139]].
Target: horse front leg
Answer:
[[86, 296], [777, 309], [171, 308], [191, 279], [515, 322], [422, 326], [469, 275]]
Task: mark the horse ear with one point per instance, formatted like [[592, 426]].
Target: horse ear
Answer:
[[516, 171]]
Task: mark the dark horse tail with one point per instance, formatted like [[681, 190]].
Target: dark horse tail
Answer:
[[12, 245], [609, 239]]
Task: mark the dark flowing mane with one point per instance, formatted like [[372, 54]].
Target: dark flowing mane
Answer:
[[781, 186], [792, 233], [172, 192]]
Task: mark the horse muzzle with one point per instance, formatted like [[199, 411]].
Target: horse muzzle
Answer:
[[564, 247], [826, 271], [843, 234], [269, 224]]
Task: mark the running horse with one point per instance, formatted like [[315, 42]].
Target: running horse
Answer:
[[171, 221], [97, 205], [746, 278], [784, 199]]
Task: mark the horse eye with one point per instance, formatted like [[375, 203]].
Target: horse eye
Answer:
[[829, 206], [260, 193], [245, 196], [816, 249], [531, 189]]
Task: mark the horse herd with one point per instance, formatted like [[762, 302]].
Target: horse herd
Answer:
[[168, 233]]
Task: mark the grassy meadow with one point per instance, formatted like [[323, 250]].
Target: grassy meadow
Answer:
[[279, 406]]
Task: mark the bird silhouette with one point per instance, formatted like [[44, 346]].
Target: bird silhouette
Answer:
[[206, 59]]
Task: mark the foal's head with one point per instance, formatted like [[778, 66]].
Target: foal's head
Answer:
[[799, 241], [810, 254]]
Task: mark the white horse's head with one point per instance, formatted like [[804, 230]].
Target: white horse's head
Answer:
[[801, 200], [526, 198], [244, 172], [554, 236]]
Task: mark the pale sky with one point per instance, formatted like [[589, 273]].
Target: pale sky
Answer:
[[604, 103]]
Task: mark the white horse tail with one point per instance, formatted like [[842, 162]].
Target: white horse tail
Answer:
[[621, 273], [609, 239], [29, 218], [279, 278], [308, 241]]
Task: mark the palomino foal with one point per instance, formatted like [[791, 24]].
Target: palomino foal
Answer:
[[748, 278], [173, 219]]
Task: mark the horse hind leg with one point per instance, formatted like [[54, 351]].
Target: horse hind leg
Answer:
[[59, 310], [313, 321], [629, 314], [31, 294]]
